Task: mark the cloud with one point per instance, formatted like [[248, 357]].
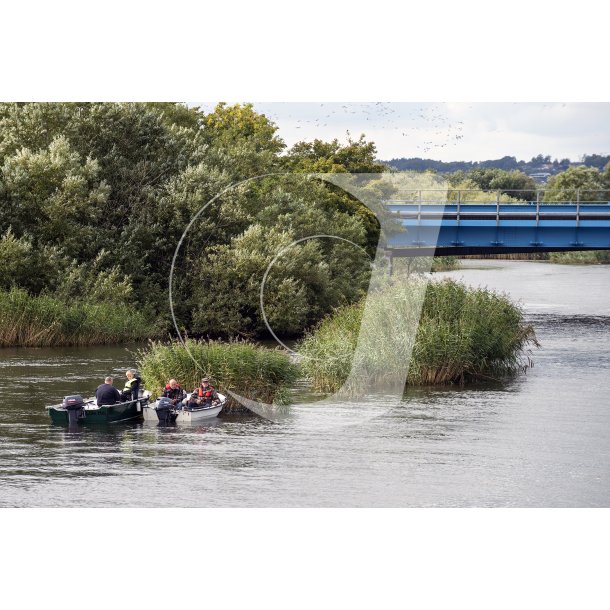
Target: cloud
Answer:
[[452, 131]]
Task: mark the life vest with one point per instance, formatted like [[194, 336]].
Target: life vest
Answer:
[[129, 383], [207, 394], [175, 393]]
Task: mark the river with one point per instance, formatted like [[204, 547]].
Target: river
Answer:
[[541, 439]]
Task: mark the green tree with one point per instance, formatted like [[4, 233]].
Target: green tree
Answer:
[[242, 141], [514, 183], [606, 176], [585, 183], [95, 282], [300, 288], [357, 156], [24, 266], [53, 195], [322, 273]]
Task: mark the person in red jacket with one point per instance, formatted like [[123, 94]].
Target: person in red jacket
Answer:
[[175, 393], [203, 396]]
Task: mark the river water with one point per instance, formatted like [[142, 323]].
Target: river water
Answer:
[[541, 439]]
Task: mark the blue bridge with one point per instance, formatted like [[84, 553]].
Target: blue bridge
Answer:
[[458, 228]]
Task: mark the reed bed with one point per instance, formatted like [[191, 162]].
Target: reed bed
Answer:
[[245, 368], [445, 263], [588, 257], [585, 257], [524, 256], [45, 321], [463, 335]]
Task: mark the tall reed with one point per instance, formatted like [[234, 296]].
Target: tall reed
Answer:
[[589, 257], [44, 321], [445, 263], [463, 334], [585, 257], [247, 369]]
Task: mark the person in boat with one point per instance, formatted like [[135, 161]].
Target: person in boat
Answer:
[[132, 385], [174, 392], [107, 394], [203, 396]]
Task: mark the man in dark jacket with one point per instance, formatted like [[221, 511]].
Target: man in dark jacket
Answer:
[[107, 394], [175, 393]]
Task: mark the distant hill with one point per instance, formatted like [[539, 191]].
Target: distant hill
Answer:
[[539, 167]]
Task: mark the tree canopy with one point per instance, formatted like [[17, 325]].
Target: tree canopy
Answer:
[[95, 197], [581, 183], [515, 184]]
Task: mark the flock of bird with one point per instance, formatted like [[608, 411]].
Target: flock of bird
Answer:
[[411, 121]]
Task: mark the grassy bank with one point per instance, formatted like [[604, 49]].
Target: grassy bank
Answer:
[[464, 334], [44, 321], [409, 265], [250, 370], [445, 263], [590, 257], [525, 256]]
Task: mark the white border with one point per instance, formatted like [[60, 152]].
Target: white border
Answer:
[[332, 51], [305, 558], [267, 51]]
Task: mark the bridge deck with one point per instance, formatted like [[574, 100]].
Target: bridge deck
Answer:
[[455, 228]]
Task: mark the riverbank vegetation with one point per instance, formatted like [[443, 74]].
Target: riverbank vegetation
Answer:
[[250, 370], [45, 321], [586, 257], [589, 257], [464, 334], [445, 263]]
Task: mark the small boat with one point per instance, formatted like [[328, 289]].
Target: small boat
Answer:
[[163, 411], [77, 410]]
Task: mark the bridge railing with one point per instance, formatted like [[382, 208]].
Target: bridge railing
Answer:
[[504, 196], [541, 205]]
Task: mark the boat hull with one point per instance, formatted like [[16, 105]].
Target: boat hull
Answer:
[[187, 417], [184, 415], [107, 414]]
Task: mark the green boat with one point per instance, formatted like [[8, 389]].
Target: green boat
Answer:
[[75, 410]]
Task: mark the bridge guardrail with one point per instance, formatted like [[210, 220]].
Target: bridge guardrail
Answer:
[[540, 205], [517, 196]]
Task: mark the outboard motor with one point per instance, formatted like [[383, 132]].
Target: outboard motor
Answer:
[[165, 411], [75, 406]]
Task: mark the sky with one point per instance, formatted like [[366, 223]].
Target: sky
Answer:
[[451, 131]]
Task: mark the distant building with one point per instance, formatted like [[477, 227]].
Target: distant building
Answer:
[[540, 176]]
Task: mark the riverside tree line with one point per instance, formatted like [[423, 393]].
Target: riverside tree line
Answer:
[[94, 198]]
